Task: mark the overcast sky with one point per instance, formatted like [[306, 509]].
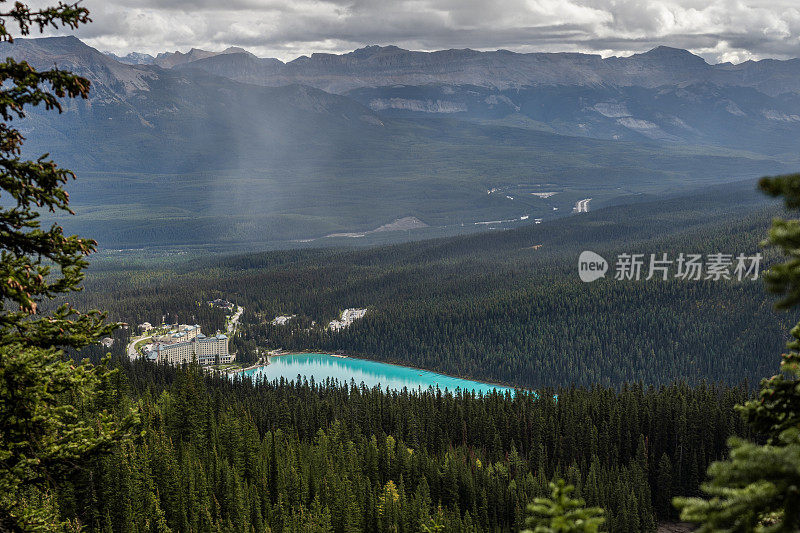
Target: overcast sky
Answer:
[[719, 30]]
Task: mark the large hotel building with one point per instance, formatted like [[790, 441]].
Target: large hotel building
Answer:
[[186, 345]]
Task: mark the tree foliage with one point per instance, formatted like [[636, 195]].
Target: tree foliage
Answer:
[[757, 487], [562, 514], [218, 453], [50, 422]]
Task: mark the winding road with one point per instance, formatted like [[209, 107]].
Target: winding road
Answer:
[[132, 346], [231, 329], [582, 206]]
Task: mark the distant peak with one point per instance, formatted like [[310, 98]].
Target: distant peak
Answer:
[[62, 39], [668, 52], [234, 50], [65, 43], [374, 49]]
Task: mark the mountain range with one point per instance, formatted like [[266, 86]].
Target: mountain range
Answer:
[[206, 148], [665, 94], [376, 66], [172, 59]]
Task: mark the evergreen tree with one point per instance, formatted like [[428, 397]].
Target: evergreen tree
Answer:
[[50, 414], [663, 487], [562, 514], [756, 489], [434, 523]]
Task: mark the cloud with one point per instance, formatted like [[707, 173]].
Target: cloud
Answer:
[[719, 30]]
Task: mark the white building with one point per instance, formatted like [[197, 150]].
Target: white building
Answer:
[[282, 320], [188, 344], [184, 333]]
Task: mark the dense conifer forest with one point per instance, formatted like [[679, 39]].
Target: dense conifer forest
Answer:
[[633, 426], [222, 455], [635, 422], [491, 307]]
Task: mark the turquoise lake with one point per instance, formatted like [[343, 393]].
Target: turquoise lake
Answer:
[[371, 373]]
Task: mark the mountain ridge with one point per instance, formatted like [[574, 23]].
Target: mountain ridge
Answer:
[[690, 109], [183, 155], [376, 65]]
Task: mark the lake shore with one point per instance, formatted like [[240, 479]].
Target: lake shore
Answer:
[[400, 365], [252, 367]]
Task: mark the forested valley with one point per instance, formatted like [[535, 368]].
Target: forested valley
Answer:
[[493, 307], [628, 388], [222, 455]]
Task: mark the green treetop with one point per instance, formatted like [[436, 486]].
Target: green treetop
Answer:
[[562, 514], [50, 417]]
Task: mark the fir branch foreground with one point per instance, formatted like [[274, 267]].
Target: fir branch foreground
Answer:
[[51, 420]]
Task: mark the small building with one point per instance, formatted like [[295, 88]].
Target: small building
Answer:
[[184, 333], [145, 326], [348, 316], [219, 302], [282, 320], [108, 342]]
